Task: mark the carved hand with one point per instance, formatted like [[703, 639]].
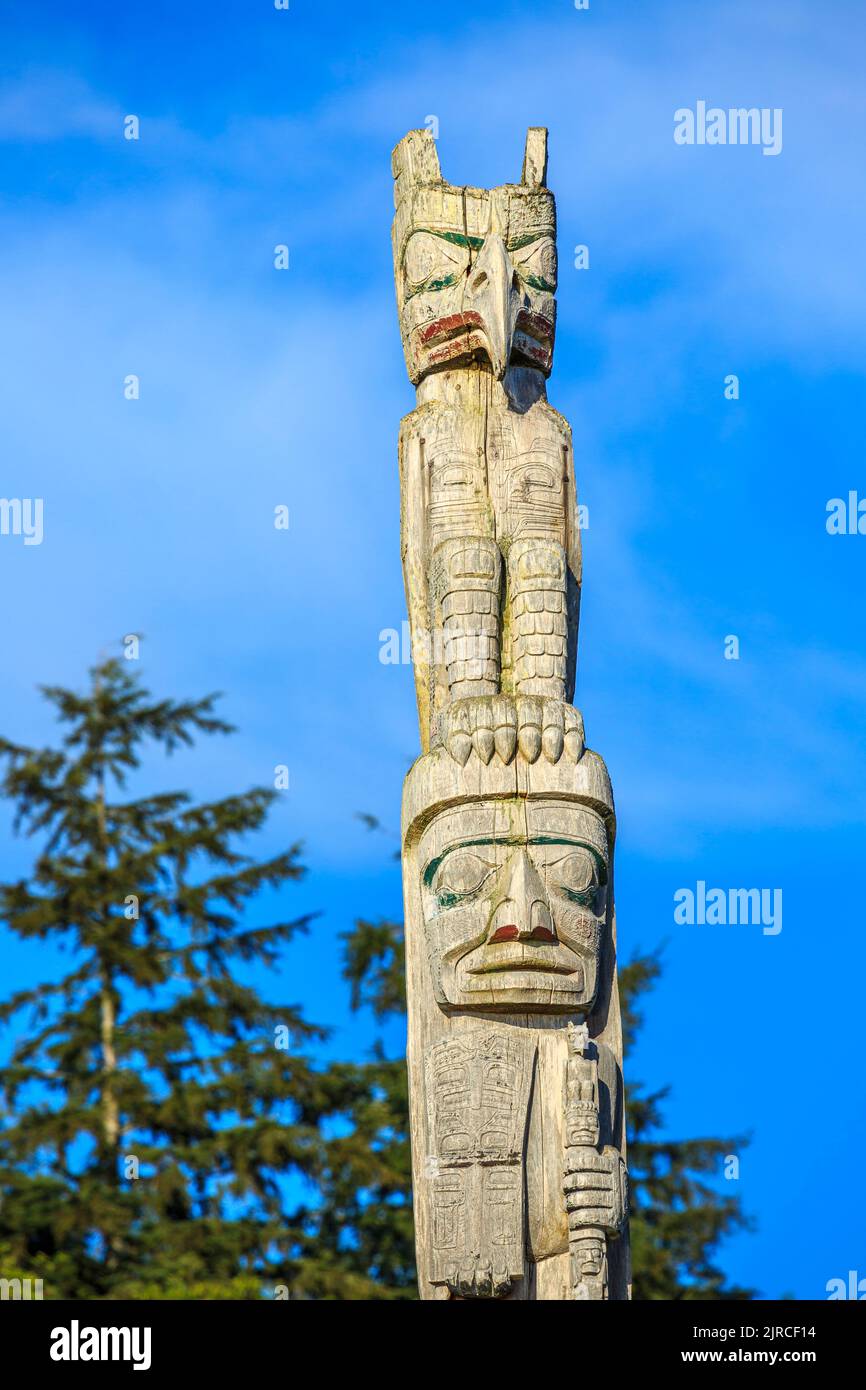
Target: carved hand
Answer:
[[594, 1186], [504, 724], [476, 1279]]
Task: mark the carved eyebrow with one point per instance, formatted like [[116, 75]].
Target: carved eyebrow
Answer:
[[430, 871], [475, 243], [578, 844], [528, 239], [431, 868]]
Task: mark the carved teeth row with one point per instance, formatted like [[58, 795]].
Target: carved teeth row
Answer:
[[504, 724]]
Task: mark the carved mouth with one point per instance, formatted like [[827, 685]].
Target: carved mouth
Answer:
[[534, 986], [538, 325], [515, 955], [462, 336], [459, 337]]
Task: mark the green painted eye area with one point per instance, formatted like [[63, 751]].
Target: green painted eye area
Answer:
[[536, 283], [459, 877], [578, 875], [535, 263], [584, 897], [577, 871], [435, 260]]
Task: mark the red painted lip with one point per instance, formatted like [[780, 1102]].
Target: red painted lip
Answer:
[[524, 349], [537, 324], [441, 329], [533, 339], [463, 336], [470, 345]]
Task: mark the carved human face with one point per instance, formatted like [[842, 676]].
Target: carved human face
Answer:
[[582, 1124], [476, 277], [591, 1258], [514, 897]]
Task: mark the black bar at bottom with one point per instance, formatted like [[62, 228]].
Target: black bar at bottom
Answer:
[[300, 1339]]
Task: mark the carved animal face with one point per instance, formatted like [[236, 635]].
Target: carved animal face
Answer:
[[475, 269], [514, 896]]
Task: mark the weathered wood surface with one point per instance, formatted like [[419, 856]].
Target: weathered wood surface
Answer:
[[515, 1047]]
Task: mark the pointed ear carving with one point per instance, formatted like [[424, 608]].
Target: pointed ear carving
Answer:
[[535, 158], [415, 161]]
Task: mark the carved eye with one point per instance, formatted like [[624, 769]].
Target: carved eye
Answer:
[[459, 874], [537, 261], [538, 477], [456, 477], [577, 874], [428, 257]]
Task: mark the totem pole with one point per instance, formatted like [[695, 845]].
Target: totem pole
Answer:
[[515, 1048]]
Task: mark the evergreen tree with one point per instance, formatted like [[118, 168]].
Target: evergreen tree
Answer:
[[357, 1237], [365, 1185], [151, 1131], [678, 1218], [150, 1115]]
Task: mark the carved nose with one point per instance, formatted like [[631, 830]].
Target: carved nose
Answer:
[[521, 911], [490, 295]]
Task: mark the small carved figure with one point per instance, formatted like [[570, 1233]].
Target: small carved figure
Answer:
[[593, 1178]]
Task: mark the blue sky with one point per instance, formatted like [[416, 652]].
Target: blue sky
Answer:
[[259, 387]]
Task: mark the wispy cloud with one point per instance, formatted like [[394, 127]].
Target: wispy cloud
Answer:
[[50, 104], [165, 270]]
